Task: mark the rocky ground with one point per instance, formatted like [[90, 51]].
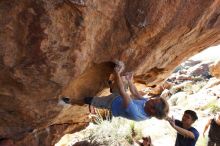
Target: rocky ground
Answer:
[[160, 131], [191, 86]]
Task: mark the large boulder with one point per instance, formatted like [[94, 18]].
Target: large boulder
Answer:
[[179, 99], [65, 48], [201, 69], [215, 69]]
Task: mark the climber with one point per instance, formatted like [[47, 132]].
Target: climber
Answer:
[[113, 93], [133, 107]]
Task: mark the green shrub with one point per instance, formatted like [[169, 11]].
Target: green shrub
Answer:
[[213, 106], [118, 131], [194, 88], [202, 141]]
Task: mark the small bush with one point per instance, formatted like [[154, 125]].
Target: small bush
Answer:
[[214, 107], [194, 88], [118, 131]]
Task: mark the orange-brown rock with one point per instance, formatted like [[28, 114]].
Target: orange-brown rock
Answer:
[[160, 88], [50, 49], [215, 69], [6, 142]]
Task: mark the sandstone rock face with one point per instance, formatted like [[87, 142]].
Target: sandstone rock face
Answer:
[[215, 69], [50, 49]]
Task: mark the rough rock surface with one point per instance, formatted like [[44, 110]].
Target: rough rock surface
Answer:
[[215, 69], [50, 49]]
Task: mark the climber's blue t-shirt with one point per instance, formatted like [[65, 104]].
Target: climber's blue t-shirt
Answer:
[[134, 111], [185, 141]]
